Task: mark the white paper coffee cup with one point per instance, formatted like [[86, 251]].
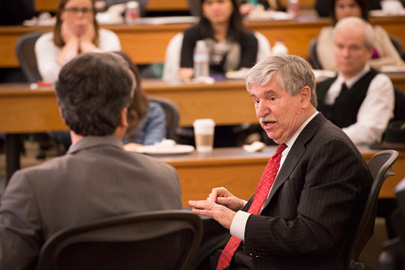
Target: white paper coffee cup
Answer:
[[204, 134]]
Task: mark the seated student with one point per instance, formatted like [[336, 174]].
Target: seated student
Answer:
[[230, 45], [322, 7], [360, 99], [146, 119], [96, 179], [76, 32], [245, 7], [384, 52]]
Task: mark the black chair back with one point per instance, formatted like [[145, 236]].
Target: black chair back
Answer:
[[399, 108], [25, 50], [167, 239], [313, 57], [380, 166], [397, 45]]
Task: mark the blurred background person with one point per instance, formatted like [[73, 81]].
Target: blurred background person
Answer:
[[76, 32], [323, 9], [245, 7], [231, 46], [146, 119], [360, 100], [384, 52]]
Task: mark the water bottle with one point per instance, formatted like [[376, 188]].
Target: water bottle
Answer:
[[279, 48], [132, 12], [201, 60]]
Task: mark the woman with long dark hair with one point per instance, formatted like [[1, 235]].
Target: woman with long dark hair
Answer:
[[231, 46]]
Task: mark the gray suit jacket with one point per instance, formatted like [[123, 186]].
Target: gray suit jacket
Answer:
[[94, 180], [315, 204]]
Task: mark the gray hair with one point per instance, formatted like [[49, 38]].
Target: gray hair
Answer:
[[293, 73], [355, 22]]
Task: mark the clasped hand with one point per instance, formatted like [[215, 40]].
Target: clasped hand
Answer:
[[221, 205]]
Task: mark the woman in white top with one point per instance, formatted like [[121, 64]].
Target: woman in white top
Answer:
[[384, 52], [76, 31]]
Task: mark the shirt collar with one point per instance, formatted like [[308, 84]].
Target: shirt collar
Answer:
[[351, 81], [292, 140], [94, 141]]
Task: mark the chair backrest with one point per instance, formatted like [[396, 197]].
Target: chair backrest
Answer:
[[397, 45], [173, 51], [380, 166], [264, 48], [25, 50], [167, 239], [392, 256], [172, 116], [313, 57], [172, 58], [399, 108]]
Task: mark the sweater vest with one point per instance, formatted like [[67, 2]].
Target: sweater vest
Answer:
[[343, 112]]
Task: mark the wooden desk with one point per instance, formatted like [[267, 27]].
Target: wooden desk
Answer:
[[147, 43], [24, 111], [153, 5], [240, 172]]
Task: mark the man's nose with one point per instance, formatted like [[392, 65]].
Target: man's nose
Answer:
[[262, 109]]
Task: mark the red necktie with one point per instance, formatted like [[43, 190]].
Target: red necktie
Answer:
[[262, 191]]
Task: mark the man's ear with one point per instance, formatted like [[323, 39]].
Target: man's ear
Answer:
[[305, 96], [60, 115], [370, 53], [123, 118]]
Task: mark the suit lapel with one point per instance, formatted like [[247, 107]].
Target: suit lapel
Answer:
[[296, 152]]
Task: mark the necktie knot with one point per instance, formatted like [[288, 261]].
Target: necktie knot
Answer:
[[281, 148], [344, 87]]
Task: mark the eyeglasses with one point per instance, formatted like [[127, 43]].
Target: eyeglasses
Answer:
[[76, 11]]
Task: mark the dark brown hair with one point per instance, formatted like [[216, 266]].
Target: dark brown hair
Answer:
[[363, 4], [139, 106], [235, 30]]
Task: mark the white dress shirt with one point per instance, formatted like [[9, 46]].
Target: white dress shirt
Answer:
[[375, 111], [239, 221], [47, 52]]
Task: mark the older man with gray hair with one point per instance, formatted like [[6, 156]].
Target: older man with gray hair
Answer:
[[312, 190], [360, 100]]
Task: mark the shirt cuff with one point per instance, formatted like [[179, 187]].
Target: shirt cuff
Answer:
[[239, 224]]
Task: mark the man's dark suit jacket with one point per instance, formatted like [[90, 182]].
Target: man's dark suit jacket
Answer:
[[94, 180], [315, 204]]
